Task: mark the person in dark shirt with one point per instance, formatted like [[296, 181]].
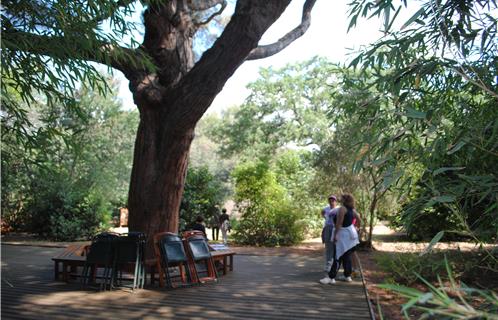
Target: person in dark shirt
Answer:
[[224, 225], [199, 225], [214, 224]]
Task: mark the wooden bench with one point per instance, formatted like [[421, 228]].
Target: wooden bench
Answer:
[[70, 259]]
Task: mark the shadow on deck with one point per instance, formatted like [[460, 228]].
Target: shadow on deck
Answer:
[[261, 287]]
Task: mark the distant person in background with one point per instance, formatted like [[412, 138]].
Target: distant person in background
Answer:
[[328, 213], [224, 225], [199, 225], [214, 224]]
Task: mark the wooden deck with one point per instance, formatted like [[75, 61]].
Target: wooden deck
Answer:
[[260, 287]]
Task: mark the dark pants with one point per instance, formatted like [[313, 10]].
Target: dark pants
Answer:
[[216, 233], [345, 261]]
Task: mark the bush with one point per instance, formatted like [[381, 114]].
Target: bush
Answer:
[[441, 302], [62, 211], [203, 196], [471, 267], [268, 216]]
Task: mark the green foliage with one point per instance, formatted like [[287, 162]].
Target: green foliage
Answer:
[[295, 173], [267, 215], [204, 194], [285, 107], [63, 211], [283, 123], [445, 301], [61, 177], [477, 267], [433, 109], [47, 46]]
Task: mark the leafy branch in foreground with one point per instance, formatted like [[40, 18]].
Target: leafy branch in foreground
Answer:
[[445, 302]]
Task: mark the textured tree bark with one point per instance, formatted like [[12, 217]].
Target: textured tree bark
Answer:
[[158, 175]]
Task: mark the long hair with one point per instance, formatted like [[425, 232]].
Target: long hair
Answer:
[[347, 200]]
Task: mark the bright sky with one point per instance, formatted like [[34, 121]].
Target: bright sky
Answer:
[[326, 37]]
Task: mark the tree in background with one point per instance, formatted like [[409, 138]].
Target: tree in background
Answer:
[[171, 91], [286, 107], [205, 152], [64, 175]]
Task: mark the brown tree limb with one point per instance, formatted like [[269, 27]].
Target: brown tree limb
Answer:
[[274, 48], [217, 13], [200, 86], [200, 5]]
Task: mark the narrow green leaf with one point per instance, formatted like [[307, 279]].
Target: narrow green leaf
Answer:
[[445, 169], [413, 18], [456, 147], [405, 291], [432, 243], [444, 199], [415, 114]]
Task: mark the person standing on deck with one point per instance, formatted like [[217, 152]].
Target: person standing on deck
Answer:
[[328, 213]]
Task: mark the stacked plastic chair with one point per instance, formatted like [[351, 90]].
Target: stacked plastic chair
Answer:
[[100, 256], [170, 254], [201, 260], [115, 254], [129, 251]]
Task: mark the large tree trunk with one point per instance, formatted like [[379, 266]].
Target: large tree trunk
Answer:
[[174, 96], [158, 175]]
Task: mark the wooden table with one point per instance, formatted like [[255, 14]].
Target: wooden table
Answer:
[[225, 257]]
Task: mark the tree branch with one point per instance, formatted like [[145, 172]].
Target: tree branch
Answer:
[[274, 48], [200, 5], [217, 13], [69, 47], [242, 34]]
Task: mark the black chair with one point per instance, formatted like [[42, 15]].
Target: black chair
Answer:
[[100, 255], [170, 254], [201, 258], [129, 258]]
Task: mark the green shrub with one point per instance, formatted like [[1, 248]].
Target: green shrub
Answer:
[[268, 216], [407, 268], [203, 195], [453, 301], [404, 267], [63, 211]]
